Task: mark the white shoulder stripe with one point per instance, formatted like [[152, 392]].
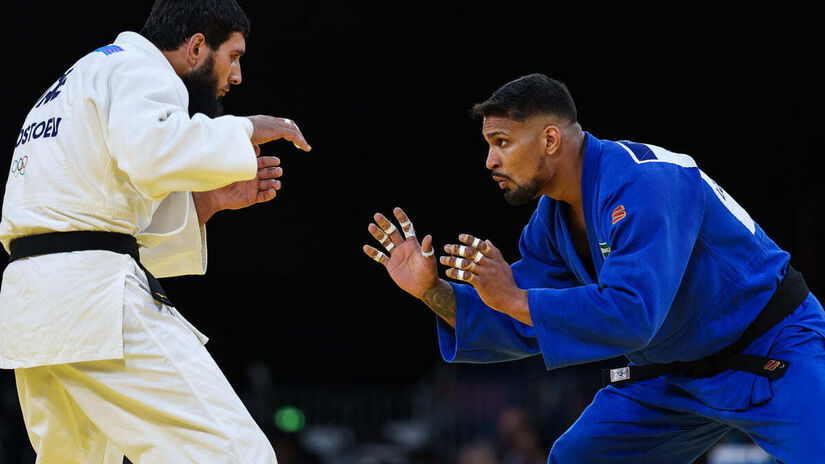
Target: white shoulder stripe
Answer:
[[663, 156], [685, 161]]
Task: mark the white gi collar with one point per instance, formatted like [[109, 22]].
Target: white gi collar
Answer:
[[135, 40]]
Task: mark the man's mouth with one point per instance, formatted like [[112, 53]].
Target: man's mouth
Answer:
[[502, 181]]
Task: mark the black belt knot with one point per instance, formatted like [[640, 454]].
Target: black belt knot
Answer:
[[63, 242], [790, 293]]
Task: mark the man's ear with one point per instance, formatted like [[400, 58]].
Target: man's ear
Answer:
[[552, 139], [196, 49]]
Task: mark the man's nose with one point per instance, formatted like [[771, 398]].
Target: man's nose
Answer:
[[493, 162], [235, 75]]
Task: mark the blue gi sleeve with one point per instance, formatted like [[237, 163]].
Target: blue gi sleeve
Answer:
[[484, 335], [652, 215]]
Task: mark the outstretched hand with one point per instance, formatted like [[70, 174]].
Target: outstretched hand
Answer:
[[411, 265], [268, 128], [264, 186]]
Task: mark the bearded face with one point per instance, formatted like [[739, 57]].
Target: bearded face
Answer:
[[202, 85], [523, 193]]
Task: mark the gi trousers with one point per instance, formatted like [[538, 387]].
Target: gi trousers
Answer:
[[166, 401], [654, 421]]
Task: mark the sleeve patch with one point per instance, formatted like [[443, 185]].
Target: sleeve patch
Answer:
[[618, 214], [109, 49]]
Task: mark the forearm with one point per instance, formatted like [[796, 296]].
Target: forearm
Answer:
[[441, 300]]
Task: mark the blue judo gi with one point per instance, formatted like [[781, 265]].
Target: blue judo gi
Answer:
[[678, 272]]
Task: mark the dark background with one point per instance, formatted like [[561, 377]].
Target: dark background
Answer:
[[382, 94]]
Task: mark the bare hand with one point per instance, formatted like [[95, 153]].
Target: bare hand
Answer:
[[268, 128], [410, 265], [263, 187], [480, 264]]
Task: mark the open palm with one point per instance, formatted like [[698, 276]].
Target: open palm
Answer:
[[411, 265]]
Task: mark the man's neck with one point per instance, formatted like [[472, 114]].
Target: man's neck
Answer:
[[567, 182]]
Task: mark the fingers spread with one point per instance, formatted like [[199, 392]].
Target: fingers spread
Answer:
[[388, 228], [382, 237]]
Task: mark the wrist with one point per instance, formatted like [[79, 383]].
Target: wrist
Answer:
[[439, 284], [205, 205], [517, 306]]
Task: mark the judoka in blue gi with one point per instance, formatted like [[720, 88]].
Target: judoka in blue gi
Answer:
[[633, 251]]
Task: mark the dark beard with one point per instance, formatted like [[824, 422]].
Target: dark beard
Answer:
[[202, 86], [523, 194]]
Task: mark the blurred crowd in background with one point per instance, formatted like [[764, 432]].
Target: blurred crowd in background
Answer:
[[460, 414]]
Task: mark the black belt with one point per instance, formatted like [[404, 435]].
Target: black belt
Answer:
[[62, 242], [790, 293]]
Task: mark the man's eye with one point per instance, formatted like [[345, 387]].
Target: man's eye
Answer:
[[501, 142]]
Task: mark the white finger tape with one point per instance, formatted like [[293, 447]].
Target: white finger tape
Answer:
[[380, 256], [459, 263], [460, 274], [389, 246], [390, 230], [476, 242], [408, 231], [477, 257], [427, 254], [461, 250]]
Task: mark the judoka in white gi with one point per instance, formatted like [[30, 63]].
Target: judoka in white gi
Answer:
[[104, 369]]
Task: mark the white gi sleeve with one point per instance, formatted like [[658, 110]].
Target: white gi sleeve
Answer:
[[154, 141], [174, 243]]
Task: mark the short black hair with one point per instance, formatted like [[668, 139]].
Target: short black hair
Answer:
[[528, 96], [172, 22]]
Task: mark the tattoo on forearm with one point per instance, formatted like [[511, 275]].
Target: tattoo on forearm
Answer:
[[441, 299]]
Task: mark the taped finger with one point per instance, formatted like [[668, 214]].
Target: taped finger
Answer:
[[477, 258], [404, 221], [460, 274], [427, 254], [380, 257], [389, 230], [461, 263], [382, 238], [409, 230]]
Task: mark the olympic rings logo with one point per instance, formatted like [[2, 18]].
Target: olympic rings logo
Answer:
[[18, 166]]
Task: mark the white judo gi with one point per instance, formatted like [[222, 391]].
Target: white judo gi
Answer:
[[102, 369]]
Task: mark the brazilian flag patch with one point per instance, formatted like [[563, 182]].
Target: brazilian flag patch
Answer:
[[605, 249]]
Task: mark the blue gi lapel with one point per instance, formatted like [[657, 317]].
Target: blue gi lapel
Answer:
[[568, 250], [590, 187]]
